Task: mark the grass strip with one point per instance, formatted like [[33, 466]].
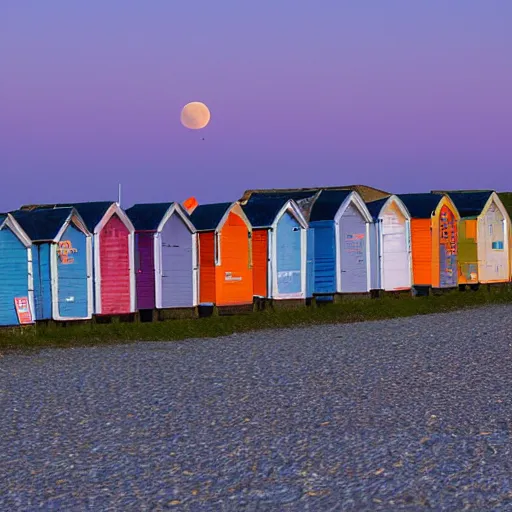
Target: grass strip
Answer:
[[348, 311]]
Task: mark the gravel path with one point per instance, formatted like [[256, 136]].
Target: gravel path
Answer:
[[405, 414]]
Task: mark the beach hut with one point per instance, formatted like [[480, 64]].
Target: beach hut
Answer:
[[61, 262], [16, 280], [165, 256], [279, 241], [434, 224], [484, 251], [113, 254], [390, 248], [506, 199], [225, 254]]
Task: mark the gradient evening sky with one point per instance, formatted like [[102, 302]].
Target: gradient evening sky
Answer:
[[396, 94]]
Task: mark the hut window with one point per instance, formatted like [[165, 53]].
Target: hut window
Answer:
[[217, 248], [490, 229]]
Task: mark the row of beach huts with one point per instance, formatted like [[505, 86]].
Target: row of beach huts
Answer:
[[70, 262]]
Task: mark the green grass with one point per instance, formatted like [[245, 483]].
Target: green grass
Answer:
[[346, 312]]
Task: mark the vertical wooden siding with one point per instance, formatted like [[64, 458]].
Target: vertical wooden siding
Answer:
[[260, 262], [310, 263], [325, 257], [421, 242], [234, 274], [207, 273], [73, 297], [177, 264], [352, 248], [289, 257], [145, 270], [395, 250], [115, 268], [13, 275]]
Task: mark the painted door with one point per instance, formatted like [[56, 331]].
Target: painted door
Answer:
[[260, 262], [145, 270], [354, 274], [288, 253], [325, 257], [395, 258], [492, 238], [42, 283], [115, 268], [73, 301], [177, 264], [234, 277], [447, 248], [310, 263], [13, 275]]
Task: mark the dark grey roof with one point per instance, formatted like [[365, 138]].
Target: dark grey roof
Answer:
[[420, 206], [374, 207], [262, 210], [327, 204], [42, 224], [470, 203], [91, 212], [207, 217], [147, 216]]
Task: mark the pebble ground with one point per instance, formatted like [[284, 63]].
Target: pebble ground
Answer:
[[405, 414]]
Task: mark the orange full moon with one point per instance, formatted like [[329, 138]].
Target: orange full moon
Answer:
[[195, 115]]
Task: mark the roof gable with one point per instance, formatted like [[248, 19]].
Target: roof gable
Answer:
[[147, 216], [42, 225], [375, 207], [328, 203], [470, 203], [207, 217], [91, 212], [422, 205]]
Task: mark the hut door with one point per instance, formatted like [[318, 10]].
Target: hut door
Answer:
[[395, 263], [353, 251], [288, 248], [447, 248], [145, 271], [177, 264]]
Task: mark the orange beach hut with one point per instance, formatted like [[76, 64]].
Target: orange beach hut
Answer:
[[434, 240], [225, 253]]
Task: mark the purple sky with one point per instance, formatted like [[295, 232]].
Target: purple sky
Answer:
[[400, 95]]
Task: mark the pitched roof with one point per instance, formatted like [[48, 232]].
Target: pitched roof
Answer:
[[422, 205], [375, 207], [366, 192], [328, 203], [470, 203], [42, 224], [147, 216], [91, 212], [506, 199], [262, 210], [207, 217], [3, 216]]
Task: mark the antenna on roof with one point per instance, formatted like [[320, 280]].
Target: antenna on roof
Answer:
[[119, 195]]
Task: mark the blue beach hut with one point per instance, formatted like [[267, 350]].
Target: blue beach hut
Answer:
[[62, 263], [279, 242], [16, 282]]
